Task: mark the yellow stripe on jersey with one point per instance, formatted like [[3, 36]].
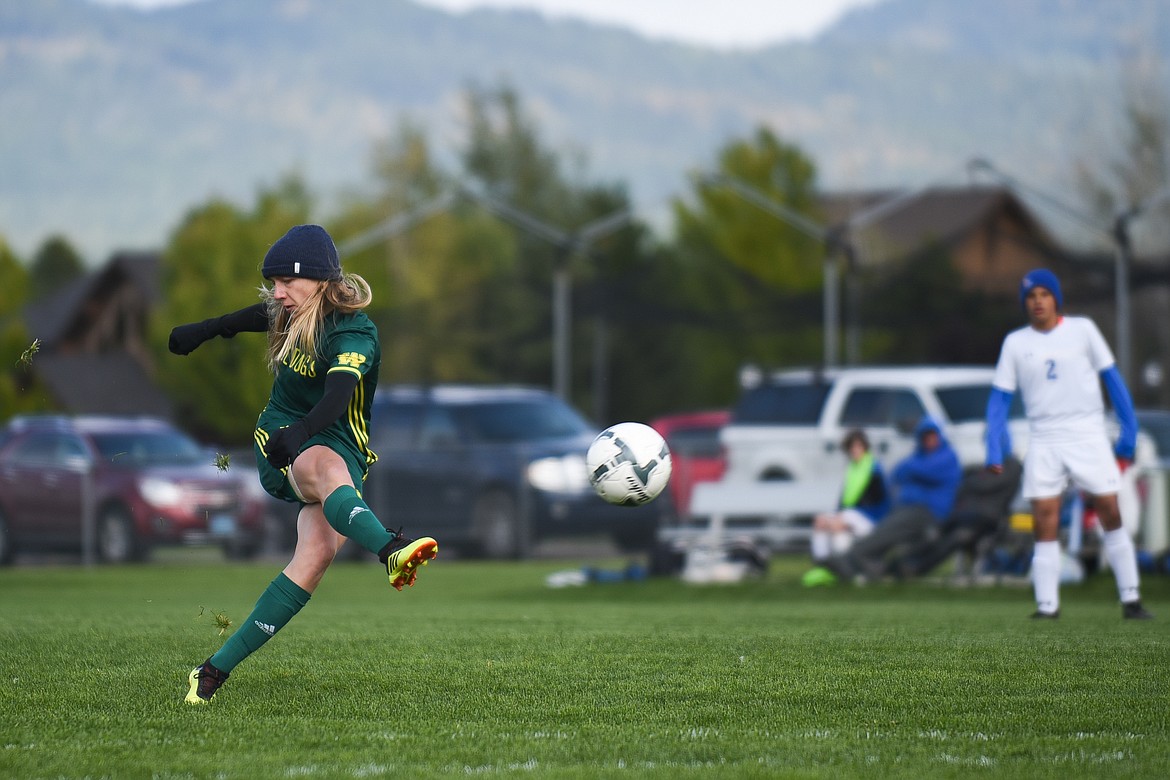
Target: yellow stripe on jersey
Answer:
[[357, 422], [350, 369]]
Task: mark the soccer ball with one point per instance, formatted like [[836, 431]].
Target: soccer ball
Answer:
[[629, 464]]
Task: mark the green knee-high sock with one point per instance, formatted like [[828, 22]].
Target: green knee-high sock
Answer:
[[350, 517], [282, 599]]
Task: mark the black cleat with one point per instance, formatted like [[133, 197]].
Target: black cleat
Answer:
[[1133, 610], [1038, 615]]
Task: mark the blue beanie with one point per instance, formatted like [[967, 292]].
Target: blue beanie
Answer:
[[1041, 277], [306, 251]]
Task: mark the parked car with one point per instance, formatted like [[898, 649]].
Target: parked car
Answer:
[[790, 425], [491, 470], [149, 484], [696, 453]]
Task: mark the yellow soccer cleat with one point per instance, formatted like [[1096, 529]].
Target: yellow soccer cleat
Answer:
[[205, 681], [403, 556]]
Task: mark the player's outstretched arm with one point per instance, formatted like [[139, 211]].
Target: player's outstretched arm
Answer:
[[185, 338], [1123, 407], [998, 405]]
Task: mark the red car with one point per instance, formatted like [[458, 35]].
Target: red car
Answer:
[[695, 452], [147, 483]]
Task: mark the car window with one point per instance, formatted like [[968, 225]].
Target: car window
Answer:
[[508, 421], [72, 447], [882, 407], [141, 447], [37, 448], [968, 403], [782, 404], [698, 442], [438, 429], [396, 424]]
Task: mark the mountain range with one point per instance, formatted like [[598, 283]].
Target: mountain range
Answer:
[[119, 120]]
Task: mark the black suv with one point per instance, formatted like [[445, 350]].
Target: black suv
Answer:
[[491, 470], [143, 481]]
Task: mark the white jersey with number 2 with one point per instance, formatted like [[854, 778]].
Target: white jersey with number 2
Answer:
[[1058, 375]]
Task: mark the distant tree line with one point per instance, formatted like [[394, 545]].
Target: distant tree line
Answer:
[[464, 291]]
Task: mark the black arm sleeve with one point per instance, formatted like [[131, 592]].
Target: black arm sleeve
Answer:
[[339, 387], [186, 338], [252, 319]]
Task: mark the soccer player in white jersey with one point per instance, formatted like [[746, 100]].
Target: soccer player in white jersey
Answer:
[[1057, 363]]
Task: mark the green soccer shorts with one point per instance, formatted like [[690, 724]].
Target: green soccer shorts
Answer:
[[275, 481]]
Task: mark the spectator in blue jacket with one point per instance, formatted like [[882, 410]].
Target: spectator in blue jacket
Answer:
[[925, 484]]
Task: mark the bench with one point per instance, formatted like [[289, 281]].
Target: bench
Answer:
[[774, 515]]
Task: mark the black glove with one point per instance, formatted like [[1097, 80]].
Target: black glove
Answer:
[[185, 338], [285, 444]]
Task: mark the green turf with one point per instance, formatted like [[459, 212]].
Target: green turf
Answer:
[[482, 670]]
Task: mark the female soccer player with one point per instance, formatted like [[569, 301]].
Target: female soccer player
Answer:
[[1058, 363], [312, 438]]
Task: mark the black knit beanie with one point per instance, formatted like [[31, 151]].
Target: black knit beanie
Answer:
[[306, 251]]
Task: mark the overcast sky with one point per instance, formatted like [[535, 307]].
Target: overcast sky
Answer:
[[717, 23]]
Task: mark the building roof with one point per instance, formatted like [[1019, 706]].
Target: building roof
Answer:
[[106, 383], [52, 317], [889, 223]]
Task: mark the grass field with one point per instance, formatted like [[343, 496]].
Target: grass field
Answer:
[[482, 670]]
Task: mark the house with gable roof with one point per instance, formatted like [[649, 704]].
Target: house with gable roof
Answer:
[[93, 355], [990, 235]]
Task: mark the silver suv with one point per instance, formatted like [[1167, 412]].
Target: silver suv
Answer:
[[789, 425]]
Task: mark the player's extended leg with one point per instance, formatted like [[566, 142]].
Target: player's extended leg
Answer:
[[1046, 556], [1121, 555], [317, 545], [321, 475], [285, 596]]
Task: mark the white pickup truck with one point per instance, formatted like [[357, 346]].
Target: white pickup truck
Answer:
[[784, 459], [789, 425]]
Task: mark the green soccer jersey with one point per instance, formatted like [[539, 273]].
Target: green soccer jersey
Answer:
[[349, 342]]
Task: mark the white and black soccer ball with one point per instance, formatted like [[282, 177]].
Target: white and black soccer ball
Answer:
[[629, 464]]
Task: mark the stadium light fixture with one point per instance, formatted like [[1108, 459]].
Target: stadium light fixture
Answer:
[[567, 243], [838, 242], [399, 223], [830, 239]]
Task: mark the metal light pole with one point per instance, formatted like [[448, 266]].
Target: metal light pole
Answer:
[[838, 242], [831, 305], [568, 244]]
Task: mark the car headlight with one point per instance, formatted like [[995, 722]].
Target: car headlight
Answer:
[[160, 492], [564, 474]]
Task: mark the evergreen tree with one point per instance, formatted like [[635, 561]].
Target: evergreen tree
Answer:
[[19, 391], [55, 265]]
